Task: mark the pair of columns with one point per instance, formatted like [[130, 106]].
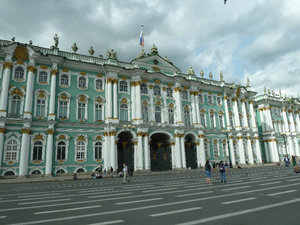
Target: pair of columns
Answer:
[[111, 99]]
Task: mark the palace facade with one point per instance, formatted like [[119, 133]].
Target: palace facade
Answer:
[[63, 112]]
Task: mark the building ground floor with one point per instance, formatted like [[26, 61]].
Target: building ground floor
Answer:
[[63, 149]]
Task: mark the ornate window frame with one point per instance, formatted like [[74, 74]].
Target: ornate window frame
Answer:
[[78, 139], [123, 84], [35, 138], [60, 79], [170, 92], [16, 92], [185, 95], [206, 148], [212, 113], [95, 84], [85, 87], [221, 122], [144, 87], [12, 136], [145, 103], [157, 90], [83, 99], [65, 138], [201, 99], [219, 101], [99, 101], [97, 139], [15, 66], [203, 114], [216, 148], [63, 96], [126, 102], [40, 70], [187, 109], [171, 112], [210, 99], [41, 95]]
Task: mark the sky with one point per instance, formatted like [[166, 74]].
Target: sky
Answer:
[[258, 39]]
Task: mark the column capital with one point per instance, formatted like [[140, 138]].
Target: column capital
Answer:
[[53, 72], [7, 65], [26, 131], [2, 130], [31, 68], [50, 131]]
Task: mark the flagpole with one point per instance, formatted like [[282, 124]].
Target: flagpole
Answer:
[[142, 35]]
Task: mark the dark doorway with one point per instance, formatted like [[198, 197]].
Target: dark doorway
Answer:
[[160, 152], [190, 151], [125, 151]]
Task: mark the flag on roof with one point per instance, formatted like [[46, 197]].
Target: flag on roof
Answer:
[[142, 36]]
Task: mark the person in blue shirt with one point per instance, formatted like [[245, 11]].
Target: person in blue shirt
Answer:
[[207, 172], [222, 172]]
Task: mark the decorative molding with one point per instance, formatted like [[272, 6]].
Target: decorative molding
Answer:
[[7, 65], [26, 131]]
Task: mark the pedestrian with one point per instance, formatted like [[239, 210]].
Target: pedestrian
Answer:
[[94, 176], [214, 166], [222, 172], [125, 173], [207, 172], [226, 166], [111, 171], [75, 177], [286, 161], [294, 160]]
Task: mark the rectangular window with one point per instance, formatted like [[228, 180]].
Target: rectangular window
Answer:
[[98, 112], [81, 110], [210, 99], [202, 119], [40, 107], [63, 109]]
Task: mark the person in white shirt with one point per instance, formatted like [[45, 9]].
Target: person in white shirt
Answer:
[[125, 173]]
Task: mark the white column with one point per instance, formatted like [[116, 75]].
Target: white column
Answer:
[[236, 114], [173, 155], [52, 95], [253, 116], [269, 116], [178, 107], [24, 152], [262, 119], [49, 152], [202, 158], [241, 149], [250, 151], [106, 150], [151, 108], [2, 130], [133, 101], [267, 151], [231, 150], [146, 152], [227, 113], [4, 91], [139, 154], [297, 120], [291, 119], [246, 125], [291, 146], [29, 92], [113, 149], [257, 148], [195, 122], [177, 151], [138, 102], [109, 99], [183, 158], [285, 121], [135, 154], [197, 107], [275, 150], [295, 139], [115, 90]]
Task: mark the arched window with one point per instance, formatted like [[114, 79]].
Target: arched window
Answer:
[[123, 86], [171, 114], [206, 148], [219, 102], [64, 80], [43, 77], [40, 107], [201, 98], [82, 82], [19, 73], [216, 148], [202, 119], [80, 150], [157, 114], [212, 120], [36, 172], [11, 150], [124, 112], [98, 111], [185, 95], [145, 112], [169, 92], [235, 149], [37, 150], [144, 89], [16, 106], [221, 121], [210, 99], [224, 147], [231, 119], [60, 171], [187, 120], [157, 90], [99, 84], [61, 151], [98, 150], [241, 120]]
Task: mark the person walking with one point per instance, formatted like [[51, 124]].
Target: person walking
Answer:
[[214, 166], [287, 161], [222, 172], [294, 160], [226, 166], [207, 172], [125, 173]]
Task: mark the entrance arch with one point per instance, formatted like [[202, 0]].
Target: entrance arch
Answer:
[[190, 151], [160, 152], [125, 151]]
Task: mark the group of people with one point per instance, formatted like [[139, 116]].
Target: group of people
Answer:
[[223, 167], [294, 162]]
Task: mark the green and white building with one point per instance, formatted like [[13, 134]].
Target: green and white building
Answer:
[[63, 112]]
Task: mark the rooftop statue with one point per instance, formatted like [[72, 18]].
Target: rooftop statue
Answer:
[[201, 73], [210, 75], [56, 41], [191, 71], [167, 59], [74, 47], [221, 75], [280, 93], [269, 92], [111, 54], [248, 82], [142, 54], [30, 42], [91, 50], [154, 50], [265, 90], [13, 39]]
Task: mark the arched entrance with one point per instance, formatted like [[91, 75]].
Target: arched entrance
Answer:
[[190, 151], [160, 152], [125, 151]]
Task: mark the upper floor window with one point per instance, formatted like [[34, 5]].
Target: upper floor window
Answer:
[[157, 91], [61, 150], [43, 77], [63, 106], [169, 92], [99, 84], [124, 112], [187, 120], [210, 99], [219, 101], [16, 106], [201, 98], [206, 149], [82, 83], [171, 114], [157, 114], [98, 111], [144, 89], [80, 150], [37, 150], [81, 110], [145, 112], [19, 73], [98, 150], [185, 95], [216, 148], [123, 86], [64, 80], [40, 107], [229, 102], [212, 120], [221, 121], [202, 119], [11, 152]]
